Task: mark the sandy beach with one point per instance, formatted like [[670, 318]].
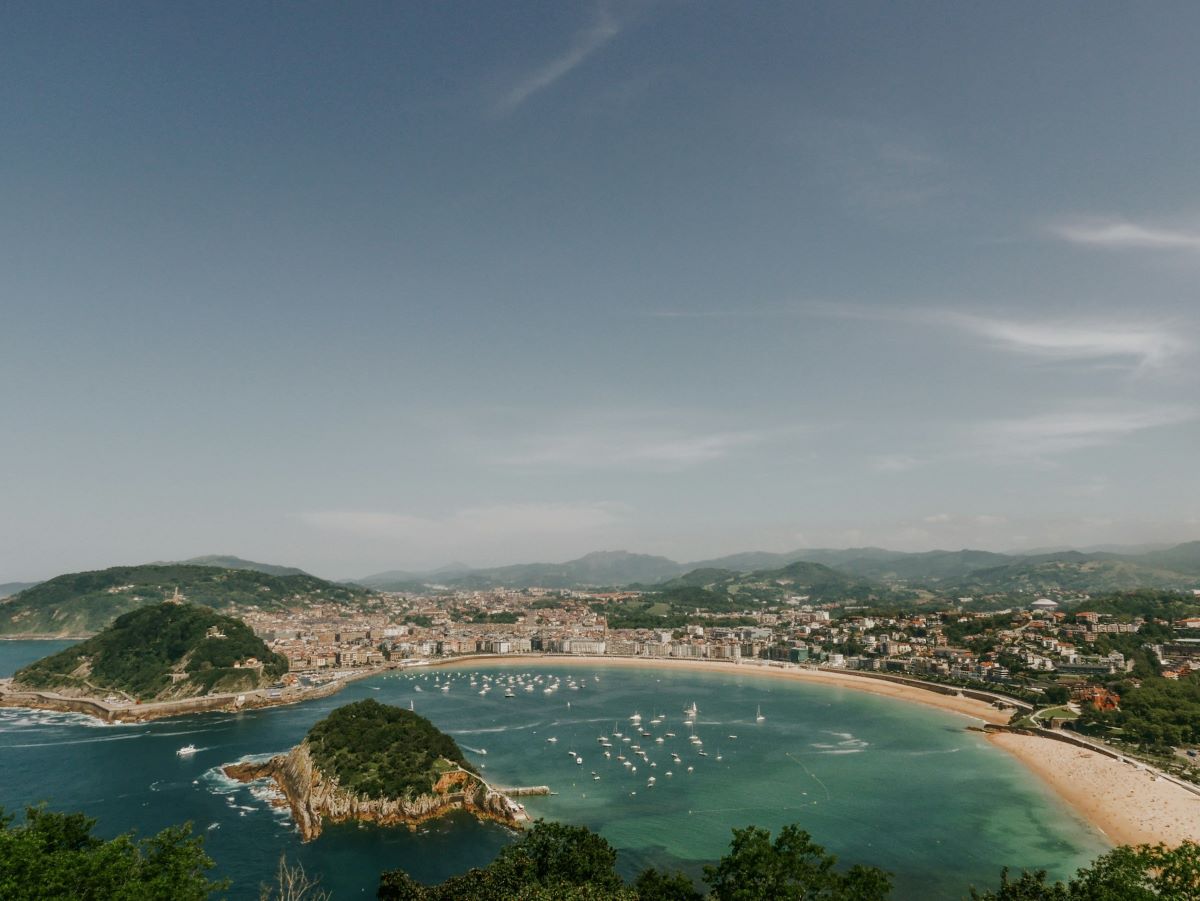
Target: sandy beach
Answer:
[[1126, 803], [980, 711]]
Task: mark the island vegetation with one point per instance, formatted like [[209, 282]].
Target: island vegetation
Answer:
[[371, 762], [164, 652], [380, 751]]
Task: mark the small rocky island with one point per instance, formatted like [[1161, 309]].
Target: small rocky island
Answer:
[[371, 762]]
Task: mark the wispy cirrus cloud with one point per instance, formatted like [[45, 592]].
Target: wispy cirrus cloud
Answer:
[[1145, 345], [1051, 434], [585, 43], [652, 448], [1121, 234], [1141, 345]]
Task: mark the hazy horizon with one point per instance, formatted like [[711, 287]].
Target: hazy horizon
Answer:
[[380, 287]]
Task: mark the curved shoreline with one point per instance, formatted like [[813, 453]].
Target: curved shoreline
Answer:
[[981, 711], [1101, 791], [1124, 802]]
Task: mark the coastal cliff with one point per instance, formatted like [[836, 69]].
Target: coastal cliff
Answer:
[[373, 762], [315, 798]]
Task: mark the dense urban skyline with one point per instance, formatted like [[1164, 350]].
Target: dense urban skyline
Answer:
[[395, 286]]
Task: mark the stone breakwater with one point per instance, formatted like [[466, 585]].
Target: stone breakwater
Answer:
[[315, 798]]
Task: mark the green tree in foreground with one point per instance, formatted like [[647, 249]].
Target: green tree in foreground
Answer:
[[792, 867], [553, 861], [55, 855], [655, 885], [1144, 873]]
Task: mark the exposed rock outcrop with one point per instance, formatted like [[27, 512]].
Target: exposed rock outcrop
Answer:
[[315, 798]]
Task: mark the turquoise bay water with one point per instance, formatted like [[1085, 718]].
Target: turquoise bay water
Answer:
[[897, 785]]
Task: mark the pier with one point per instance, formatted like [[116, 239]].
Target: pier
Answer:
[[525, 791]]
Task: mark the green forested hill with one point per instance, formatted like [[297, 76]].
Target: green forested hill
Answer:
[[226, 561], [381, 751], [1072, 571], [81, 603], [137, 654]]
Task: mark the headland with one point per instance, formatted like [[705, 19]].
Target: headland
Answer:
[[413, 773]]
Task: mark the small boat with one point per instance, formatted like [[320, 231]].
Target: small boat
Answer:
[[552, 740], [691, 769], [703, 753], [636, 718], [650, 781], [758, 717], [579, 760], [187, 750], [509, 693], [691, 711], [733, 736]]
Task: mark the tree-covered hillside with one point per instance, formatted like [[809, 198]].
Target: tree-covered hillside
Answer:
[[140, 651], [381, 751], [227, 561], [81, 603]]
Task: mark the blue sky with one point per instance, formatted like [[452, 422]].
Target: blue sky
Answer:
[[388, 285]]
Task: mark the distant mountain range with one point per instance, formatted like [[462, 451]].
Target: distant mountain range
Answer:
[[79, 603], [966, 570]]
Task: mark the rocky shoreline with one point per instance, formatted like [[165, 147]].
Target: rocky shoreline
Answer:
[[315, 799], [126, 712]]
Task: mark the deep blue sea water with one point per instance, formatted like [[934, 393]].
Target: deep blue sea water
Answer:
[[877, 781]]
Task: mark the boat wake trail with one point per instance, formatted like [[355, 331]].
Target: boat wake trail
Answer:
[[828, 796]]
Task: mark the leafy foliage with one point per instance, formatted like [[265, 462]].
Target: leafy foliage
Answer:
[[55, 855], [790, 867], [381, 751], [571, 862], [655, 885], [1160, 713], [86, 602], [551, 861], [139, 651], [1144, 873]]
